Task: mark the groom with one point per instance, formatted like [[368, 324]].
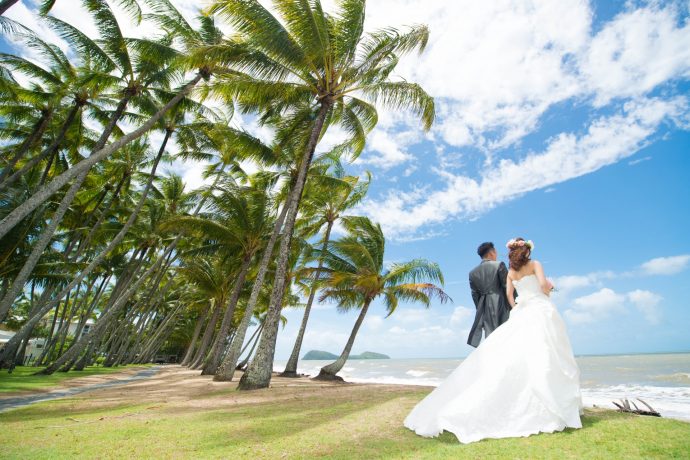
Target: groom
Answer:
[[488, 284]]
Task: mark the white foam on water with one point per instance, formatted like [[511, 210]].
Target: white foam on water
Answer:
[[416, 373], [390, 380]]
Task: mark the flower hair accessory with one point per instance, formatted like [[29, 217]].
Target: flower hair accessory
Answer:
[[512, 244]]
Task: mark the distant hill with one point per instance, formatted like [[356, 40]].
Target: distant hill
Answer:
[[324, 355], [319, 354], [370, 355]]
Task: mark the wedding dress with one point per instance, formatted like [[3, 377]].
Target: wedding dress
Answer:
[[522, 380]]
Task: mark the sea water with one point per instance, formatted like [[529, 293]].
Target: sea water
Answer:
[[662, 380]]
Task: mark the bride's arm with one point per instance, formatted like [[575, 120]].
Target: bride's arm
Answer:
[[510, 289], [543, 282]]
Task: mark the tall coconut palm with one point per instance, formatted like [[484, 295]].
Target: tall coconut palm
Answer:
[[172, 59], [135, 84], [328, 206], [319, 69], [354, 275], [283, 181], [240, 224]]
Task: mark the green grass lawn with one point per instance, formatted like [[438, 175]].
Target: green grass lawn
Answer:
[[356, 422], [21, 378]]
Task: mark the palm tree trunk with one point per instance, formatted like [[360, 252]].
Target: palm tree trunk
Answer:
[[45, 192], [206, 338], [79, 346], [195, 336], [227, 369], [257, 333], [216, 355], [162, 333], [291, 366], [328, 372], [101, 217], [9, 353], [35, 135], [9, 350], [42, 243], [47, 152], [103, 322], [49, 340], [81, 363], [5, 5], [112, 245], [258, 373], [135, 352], [77, 303], [49, 231]]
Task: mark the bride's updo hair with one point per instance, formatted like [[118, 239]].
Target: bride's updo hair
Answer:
[[519, 254]]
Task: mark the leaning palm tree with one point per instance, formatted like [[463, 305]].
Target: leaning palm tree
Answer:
[[314, 70], [354, 276], [174, 65], [328, 205], [238, 227]]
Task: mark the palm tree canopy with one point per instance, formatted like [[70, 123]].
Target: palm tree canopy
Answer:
[[355, 274], [309, 57]]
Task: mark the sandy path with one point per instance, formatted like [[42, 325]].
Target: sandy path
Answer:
[[182, 388], [75, 386]]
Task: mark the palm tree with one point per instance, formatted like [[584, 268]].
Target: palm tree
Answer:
[[173, 62], [283, 181], [240, 224], [354, 275], [328, 204], [136, 83], [320, 70]]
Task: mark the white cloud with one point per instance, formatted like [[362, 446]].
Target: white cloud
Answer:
[[497, 67], [411, 315], [637, 51], [324, 339], [566, 156], [374, 322], [568, 283], [666, 265], [397, 330], [639, 160], [647, 303], [595, 306], [385, 149], [606, 302], [460, 315]]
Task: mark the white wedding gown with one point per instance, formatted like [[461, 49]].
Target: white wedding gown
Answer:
[[522, 380]]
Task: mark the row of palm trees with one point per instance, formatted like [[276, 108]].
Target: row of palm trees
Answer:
[[90, 228]]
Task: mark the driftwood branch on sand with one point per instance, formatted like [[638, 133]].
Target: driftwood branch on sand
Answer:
[[625, 406]]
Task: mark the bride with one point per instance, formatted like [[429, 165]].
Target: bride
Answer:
[[522, 380]]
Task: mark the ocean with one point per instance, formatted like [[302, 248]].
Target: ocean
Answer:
[[662, 380]]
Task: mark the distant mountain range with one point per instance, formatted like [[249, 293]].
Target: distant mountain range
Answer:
[[324, 355]]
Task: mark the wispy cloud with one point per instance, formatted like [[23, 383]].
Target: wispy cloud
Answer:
[[666, 265], [567, 156], [639, 160], [605, 303]]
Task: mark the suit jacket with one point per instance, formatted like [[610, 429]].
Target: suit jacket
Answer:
[[488, 285]]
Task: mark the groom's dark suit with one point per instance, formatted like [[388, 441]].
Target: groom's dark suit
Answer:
[[488, 284]]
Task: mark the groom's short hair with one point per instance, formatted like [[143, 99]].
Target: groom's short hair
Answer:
[[485, 248]]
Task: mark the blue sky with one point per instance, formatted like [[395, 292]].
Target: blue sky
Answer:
[[596, 227], [566, 122]]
